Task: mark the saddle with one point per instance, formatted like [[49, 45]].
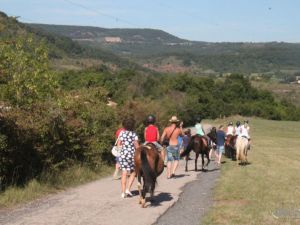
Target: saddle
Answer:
[[205, 140]]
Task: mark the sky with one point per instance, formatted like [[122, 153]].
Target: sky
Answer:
[[200, 20]]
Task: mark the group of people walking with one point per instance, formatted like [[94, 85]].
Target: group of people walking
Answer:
[[168, 144], [128, 142], [231, 130]]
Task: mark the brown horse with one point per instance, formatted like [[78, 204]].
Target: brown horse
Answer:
[[201, 146], [148, 165], [230, 146]]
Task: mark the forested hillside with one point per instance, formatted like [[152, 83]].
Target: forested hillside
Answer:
[[156, 49], [63, 51]]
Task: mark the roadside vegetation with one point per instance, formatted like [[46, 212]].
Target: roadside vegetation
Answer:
[[251, 194], [57, 130]]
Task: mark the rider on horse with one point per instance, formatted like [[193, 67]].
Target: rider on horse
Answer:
[[200, 131], [151, 133], [245, 131], [238, 128], [230, 129]]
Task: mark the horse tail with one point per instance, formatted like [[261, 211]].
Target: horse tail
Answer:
[[241, 144], [189, 148], [148, 173]]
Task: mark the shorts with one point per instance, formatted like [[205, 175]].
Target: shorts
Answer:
[[173, 153], [220, 149]]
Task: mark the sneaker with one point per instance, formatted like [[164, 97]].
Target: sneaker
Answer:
[[123, 195], [128, 193]]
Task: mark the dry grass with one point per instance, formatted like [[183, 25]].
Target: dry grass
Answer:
[[50, 184], [249, 195]]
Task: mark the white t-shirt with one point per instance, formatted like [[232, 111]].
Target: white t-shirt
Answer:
[[244, 132], [229, 130]]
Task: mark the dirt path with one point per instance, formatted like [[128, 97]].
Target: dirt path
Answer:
[[194, 202], [99, 202]]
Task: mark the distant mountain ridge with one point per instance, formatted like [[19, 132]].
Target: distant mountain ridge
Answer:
[[67, 53], [164, 52], [99, 34], [158, 50]]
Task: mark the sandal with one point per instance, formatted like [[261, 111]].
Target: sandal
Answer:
[[123, 195]]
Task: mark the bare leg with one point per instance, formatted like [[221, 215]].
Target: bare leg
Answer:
[[163, 154], [123, 180], [175, 165], [169, 164], [130, 181], [219, 157], [117, 167]]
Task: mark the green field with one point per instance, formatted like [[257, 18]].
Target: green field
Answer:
[[290, 92], [250, 194]]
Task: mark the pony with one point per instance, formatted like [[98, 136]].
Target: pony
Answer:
[[148, 165], [200, 145], [230, 149], [241, 150]]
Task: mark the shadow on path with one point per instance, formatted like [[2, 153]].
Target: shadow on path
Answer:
[[161, 197]]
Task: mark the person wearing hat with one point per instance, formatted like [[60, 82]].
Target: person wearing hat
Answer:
[[171, 134], [151, 134]]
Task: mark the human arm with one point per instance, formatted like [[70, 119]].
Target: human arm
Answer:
[[136, 144], [157, 138], [181, 131], [163, 136], [145, 133]]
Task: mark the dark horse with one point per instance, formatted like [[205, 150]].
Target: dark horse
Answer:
[[148, 165], [200, 145], [230, 149]]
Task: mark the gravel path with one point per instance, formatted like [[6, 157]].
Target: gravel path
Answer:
[[100, 202], [194, 202]]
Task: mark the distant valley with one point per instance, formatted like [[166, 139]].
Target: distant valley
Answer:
[[163, 52]]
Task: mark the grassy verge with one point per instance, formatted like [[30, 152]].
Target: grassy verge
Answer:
[[249, 195], [50, 184]]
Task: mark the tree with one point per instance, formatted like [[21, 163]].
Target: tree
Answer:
[[24, 72]]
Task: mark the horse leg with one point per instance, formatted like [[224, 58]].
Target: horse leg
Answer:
[[139, 184], [208, 159], [143, 199], [152, 191], [196, 159], [186, 162], [202, 157]]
